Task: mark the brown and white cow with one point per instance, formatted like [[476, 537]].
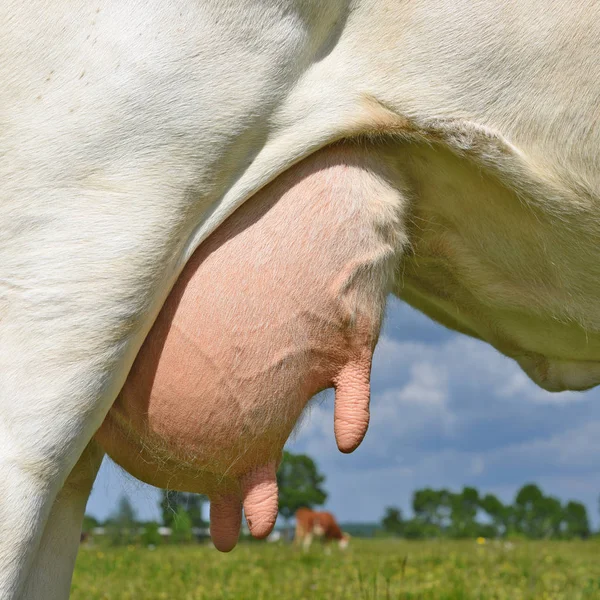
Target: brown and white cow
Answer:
[[130, 131], [322, 525]]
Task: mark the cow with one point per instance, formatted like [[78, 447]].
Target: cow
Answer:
[[130, 132], [311, 524]]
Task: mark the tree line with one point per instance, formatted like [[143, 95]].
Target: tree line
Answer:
[[469, 514], [181, 513], [300, 484], [436, 512]]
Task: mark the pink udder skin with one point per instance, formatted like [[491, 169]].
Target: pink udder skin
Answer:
[[284, 300]]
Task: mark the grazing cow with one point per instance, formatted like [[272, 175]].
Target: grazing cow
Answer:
[[130, 131], [310, 524]]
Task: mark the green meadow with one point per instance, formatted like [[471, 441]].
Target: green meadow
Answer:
[[432, 570]]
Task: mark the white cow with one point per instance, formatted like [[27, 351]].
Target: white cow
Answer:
[[130, 129]]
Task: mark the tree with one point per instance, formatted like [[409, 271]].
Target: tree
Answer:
[[172, 500], [526, 506], [535, 515], [499, 513], [300, 484], [433, 509], [125, 512], [89, 523], [182, 527], [122, 527], [551, 517], [464, 513], [416, 529], [392, 521], [150, 535], [576, 520], [425, 505]]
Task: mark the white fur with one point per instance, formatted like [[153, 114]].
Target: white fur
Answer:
[[129, 129]]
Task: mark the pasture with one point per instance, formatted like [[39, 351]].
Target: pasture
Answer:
[[370, 569]]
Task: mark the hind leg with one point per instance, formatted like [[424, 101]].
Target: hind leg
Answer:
[[76, 306], [41, 443], [52, 567], [53, 400], [66, 349], [307, 541]]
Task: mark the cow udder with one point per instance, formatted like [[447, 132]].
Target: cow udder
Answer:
[[284, 300]]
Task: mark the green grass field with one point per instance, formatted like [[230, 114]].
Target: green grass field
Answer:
[[384, 569]]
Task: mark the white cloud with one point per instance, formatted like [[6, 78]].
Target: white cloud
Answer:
[[422, 403], [428, 385], [575, 448], [477, 465], [465, 361], [519, 385]]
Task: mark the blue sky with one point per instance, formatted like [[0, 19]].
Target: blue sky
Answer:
[[446, 411]]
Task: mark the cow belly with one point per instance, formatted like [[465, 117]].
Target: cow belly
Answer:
[[284, 300]]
